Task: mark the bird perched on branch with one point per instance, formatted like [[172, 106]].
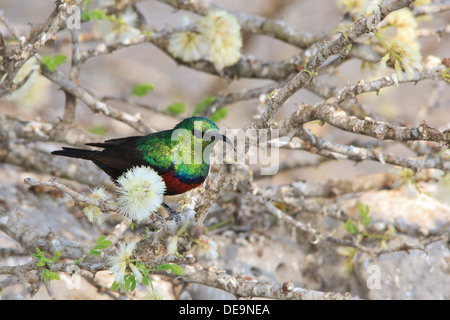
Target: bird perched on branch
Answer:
[[180, 155]]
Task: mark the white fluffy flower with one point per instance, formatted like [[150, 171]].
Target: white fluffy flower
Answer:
[[188, 46], [119, 29], [405, 61], [141, 193], [219, 23], [208, 249], [118, 264], [405, 22], [218, 40], [93, 213], [222, 32]]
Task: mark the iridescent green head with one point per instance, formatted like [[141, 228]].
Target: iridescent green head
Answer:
[[197, 123], [196, 137], [204, 129]]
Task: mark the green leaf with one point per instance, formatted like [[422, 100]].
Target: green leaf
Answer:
[[96, 14], [99, 130], [133, 284], [143, 269], [102, 243], [171, 267], [364, 212], [219, 114], [114, 286], [142, 89], [365, 221], [38, 254], [56, 257], [202, 105], [351, 227], [363, 209], [41, 257], [176, 108], [129, 282], [51, 63], [48, 275]]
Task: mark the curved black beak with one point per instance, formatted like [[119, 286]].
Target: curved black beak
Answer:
[[225, 139]]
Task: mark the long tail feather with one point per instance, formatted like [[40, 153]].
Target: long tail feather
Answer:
[[72, 152]]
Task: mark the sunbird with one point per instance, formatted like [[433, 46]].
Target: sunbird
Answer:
[[180, 155]]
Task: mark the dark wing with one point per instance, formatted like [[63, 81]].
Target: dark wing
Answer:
[[113, 142], [118, 154]]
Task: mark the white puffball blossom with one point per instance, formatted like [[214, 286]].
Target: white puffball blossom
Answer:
[[218, 39], [119, 29], [406, 63], [118, 263], [188, 46], [141, 193], [208, 249], [93, 213], [222, 32], [404, 49]]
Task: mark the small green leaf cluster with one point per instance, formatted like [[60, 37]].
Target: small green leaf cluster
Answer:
[[351, 226], [130, 281], [142, 89], [98, 130], [51, 63], [219, 114], [101, 244], [168, 267], [202, 105], [91, 15], [47, 274], [176, 108], [360, 227]]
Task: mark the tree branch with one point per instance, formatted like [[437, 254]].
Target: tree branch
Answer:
[[17, 55]]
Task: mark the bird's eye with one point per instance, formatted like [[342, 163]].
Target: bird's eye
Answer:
[[213, 138]]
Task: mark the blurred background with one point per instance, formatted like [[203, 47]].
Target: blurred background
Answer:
[[116, 74]]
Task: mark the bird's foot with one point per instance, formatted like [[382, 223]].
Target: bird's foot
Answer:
[[173, 214]]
